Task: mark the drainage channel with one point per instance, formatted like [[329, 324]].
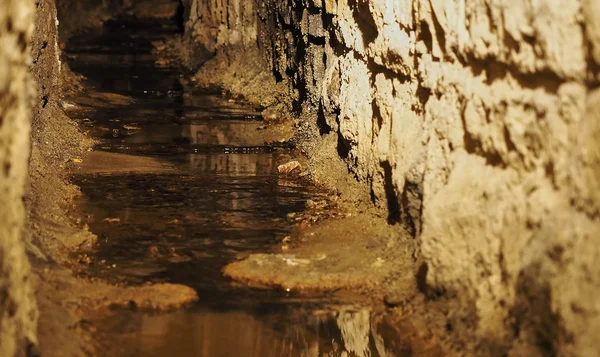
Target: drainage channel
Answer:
[[182, 184]]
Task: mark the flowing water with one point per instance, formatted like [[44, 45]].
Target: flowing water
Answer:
[[212, 196]]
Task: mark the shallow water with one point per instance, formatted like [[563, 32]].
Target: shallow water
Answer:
[[220, 200]]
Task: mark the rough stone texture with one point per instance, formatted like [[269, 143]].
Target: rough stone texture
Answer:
[[33, 145], [475, 122], [18, 312]]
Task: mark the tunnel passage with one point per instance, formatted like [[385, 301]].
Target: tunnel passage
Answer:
[[413, 178], [184, 181]]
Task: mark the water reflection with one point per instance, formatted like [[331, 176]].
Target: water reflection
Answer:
[[231, 132], [235, 165], [185, 227], [294, 333]]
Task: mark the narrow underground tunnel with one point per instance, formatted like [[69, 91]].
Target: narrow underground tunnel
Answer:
[[286, 178]]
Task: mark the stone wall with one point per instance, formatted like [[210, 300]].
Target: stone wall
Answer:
[[18, 312], [475, 122], [36, 139]]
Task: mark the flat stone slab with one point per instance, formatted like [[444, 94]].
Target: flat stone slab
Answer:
[[357, 252]]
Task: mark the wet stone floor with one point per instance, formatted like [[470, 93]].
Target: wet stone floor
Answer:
[[186, 186]]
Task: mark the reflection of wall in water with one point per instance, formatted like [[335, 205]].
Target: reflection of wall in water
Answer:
[[296, 333], [224, 133], [355, 327], [234, 164], [234, 134]]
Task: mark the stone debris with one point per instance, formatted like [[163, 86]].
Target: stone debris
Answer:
[[131, 127], [70, 106], [292, 168], [271, 115]]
